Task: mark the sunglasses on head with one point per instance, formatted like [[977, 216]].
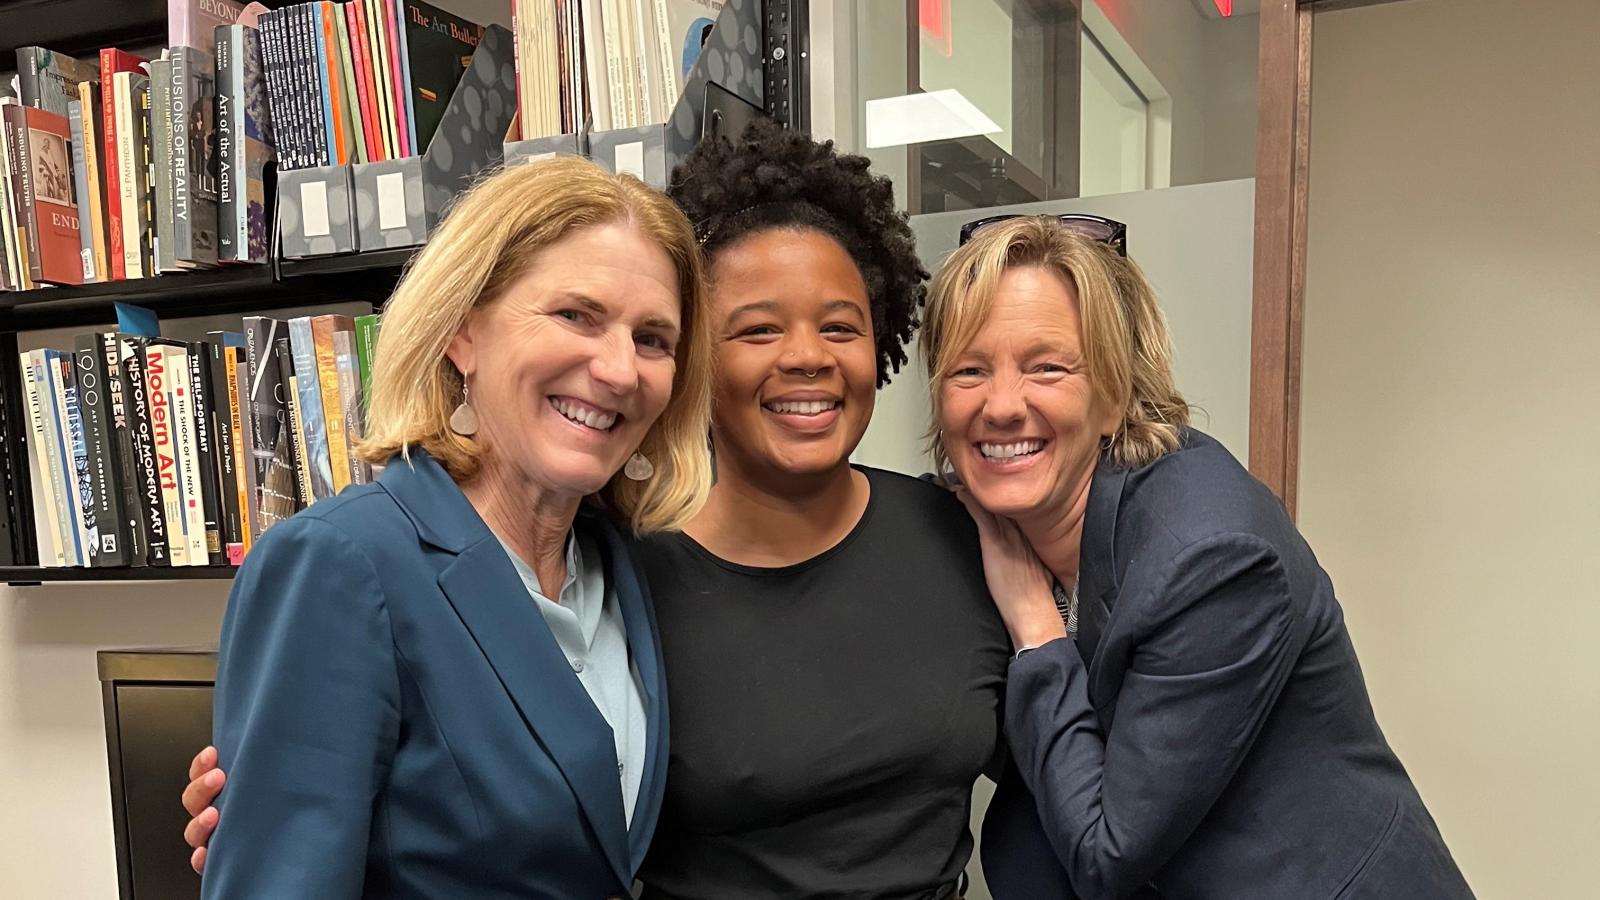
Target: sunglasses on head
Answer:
[[1110, 232]]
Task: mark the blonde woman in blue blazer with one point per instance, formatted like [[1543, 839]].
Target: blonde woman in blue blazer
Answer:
[[447, 683]]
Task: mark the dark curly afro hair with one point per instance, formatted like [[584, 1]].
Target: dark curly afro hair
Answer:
[[772, 177]]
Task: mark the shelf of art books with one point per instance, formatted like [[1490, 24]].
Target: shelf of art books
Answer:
[[146, 457]]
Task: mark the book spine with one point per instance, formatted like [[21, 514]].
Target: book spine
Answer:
[[400, 69], [222, 473], [164, 169], [28, 75], [57, 446], [378, 39], [234, 357], [9, 235], [366, 343], [160, 376], [332, 90], [124, 471], [666, 59], [344, 358], [95, 224], [152, 496], [354, 132], [267, 413], [332, 404], [109, 516], [109, 124], [193, 187], [80, 187], [17, 145], [230, 209], [77, 462], [314, 54], [309, 396], [206, 451], [185, 422], [361, 61], [47, 527], [283, 487], [127, 182], [147, 234], [302, 466], [257, 138]]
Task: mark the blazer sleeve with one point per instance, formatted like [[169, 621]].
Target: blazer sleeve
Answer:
[[306, 717], [1216, 652]]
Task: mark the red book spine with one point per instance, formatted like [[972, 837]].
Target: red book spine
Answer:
[[112, 62], [358, 52]]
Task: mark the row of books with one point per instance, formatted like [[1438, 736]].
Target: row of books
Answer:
[[148, 451], [604, 64], [135, 168], [362, 81]]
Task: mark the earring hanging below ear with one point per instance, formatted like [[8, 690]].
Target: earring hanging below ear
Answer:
[[464, 421], [639, 468]]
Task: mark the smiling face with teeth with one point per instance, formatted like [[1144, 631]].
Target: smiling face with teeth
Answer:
[[570, 366], [1021, 420], [785, 303]]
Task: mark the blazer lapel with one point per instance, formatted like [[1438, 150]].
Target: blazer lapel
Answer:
[[645, 650], [492, 602], [1097, 587]]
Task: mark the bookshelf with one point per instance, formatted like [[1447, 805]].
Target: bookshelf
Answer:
[[771, 44]]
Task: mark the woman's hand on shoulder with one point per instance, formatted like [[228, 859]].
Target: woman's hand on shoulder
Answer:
[[1021, 586], [205, 783]]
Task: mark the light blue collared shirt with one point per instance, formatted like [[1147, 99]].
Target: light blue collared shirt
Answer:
[[587, 624]]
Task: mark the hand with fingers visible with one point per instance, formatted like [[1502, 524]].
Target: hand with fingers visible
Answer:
[[205, 783], [1022, 588]]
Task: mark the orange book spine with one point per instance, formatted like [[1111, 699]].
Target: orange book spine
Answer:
[[236, 419], [330, 34]]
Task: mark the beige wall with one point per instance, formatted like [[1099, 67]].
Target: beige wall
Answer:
[[1450, 420]]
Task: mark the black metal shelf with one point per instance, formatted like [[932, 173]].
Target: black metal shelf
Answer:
[[357, 277], [31, 575]]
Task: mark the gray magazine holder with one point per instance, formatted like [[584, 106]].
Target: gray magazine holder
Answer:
[[315, 212]]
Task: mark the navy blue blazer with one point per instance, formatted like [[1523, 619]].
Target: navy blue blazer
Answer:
[[1210, 734], [397, 720]]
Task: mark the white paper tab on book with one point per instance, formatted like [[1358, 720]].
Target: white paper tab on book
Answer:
[[391, 201], [314, 209], [630, 159]]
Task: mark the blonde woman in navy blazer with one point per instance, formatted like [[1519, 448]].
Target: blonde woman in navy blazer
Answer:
[[400, 710], [1206, 732]]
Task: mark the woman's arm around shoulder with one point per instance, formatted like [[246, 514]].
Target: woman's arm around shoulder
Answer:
[[306, 716]]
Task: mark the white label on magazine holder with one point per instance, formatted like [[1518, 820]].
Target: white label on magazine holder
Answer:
[[391, 201], [541, 157], [630, 159], [314, 209]]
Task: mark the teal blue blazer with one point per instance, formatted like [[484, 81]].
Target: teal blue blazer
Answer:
[[397, 720]]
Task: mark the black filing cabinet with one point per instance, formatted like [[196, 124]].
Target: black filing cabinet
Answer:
[[158, 715]]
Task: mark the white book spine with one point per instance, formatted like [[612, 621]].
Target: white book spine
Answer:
[[127, 172], [46, 528], [188, 458], [67, 484]]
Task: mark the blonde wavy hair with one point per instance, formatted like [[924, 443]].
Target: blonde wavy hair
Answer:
[[489, 239], [1126, 345]]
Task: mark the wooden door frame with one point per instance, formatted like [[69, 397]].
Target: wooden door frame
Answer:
[[1283, 145]]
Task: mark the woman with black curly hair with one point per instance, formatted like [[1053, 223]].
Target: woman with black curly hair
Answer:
[[835, 664]]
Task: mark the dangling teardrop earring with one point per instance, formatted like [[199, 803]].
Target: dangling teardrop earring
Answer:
[[464, 421], [639, 468]]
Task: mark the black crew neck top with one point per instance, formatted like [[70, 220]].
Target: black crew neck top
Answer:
[[829, 718]]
